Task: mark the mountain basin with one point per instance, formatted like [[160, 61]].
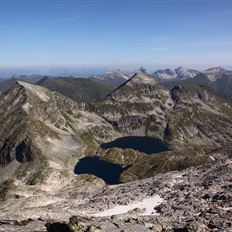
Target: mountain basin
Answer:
[[110, 172]]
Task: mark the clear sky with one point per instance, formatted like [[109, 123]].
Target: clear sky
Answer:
[[191, 33]]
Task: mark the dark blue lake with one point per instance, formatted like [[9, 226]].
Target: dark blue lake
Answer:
[[93, 165], [144, 144], [110, 172]]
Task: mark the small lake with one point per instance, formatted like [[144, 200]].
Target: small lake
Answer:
[[109, 172], [144, 144]]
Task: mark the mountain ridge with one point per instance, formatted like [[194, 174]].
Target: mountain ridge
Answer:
[[143, 112], [179, 73], [45, 122]]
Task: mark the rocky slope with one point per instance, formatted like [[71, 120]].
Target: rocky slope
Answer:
[[196, 199], [43, 133], [184, 116], [137, 107]]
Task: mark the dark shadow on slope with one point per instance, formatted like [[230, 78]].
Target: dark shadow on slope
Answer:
[[23, 153], [109, 172], [144, 144]]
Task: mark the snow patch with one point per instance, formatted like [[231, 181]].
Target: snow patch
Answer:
[[146, 204]]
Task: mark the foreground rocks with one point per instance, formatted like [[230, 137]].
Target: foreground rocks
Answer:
[[197, 199]]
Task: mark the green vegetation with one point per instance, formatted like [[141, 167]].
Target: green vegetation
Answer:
[[123, 157], [152, 165], [78, 89]]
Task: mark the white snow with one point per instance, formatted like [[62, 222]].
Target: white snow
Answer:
[[180, 73], [148, 204]]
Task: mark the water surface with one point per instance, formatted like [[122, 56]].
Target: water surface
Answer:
[[107, 171], [144, 144]]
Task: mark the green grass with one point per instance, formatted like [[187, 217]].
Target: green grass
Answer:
[[152, 165]]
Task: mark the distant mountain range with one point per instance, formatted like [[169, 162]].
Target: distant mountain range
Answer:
[[78, 89], [52, 71], [115, 78], [218, 80], [6, 83], [96, 88], [88, 90], [178, 74]]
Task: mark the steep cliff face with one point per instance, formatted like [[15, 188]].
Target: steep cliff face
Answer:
[[45, 129]]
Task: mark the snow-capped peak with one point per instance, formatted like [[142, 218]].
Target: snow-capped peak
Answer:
[[179, 73]]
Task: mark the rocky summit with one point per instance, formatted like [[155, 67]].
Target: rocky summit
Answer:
[[146, 158]]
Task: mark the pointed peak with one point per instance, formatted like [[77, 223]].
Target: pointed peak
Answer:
[[142, 70], [43, 80], [138, 79], [36, 90]]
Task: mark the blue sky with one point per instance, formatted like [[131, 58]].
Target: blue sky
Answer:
[[116, 33]]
